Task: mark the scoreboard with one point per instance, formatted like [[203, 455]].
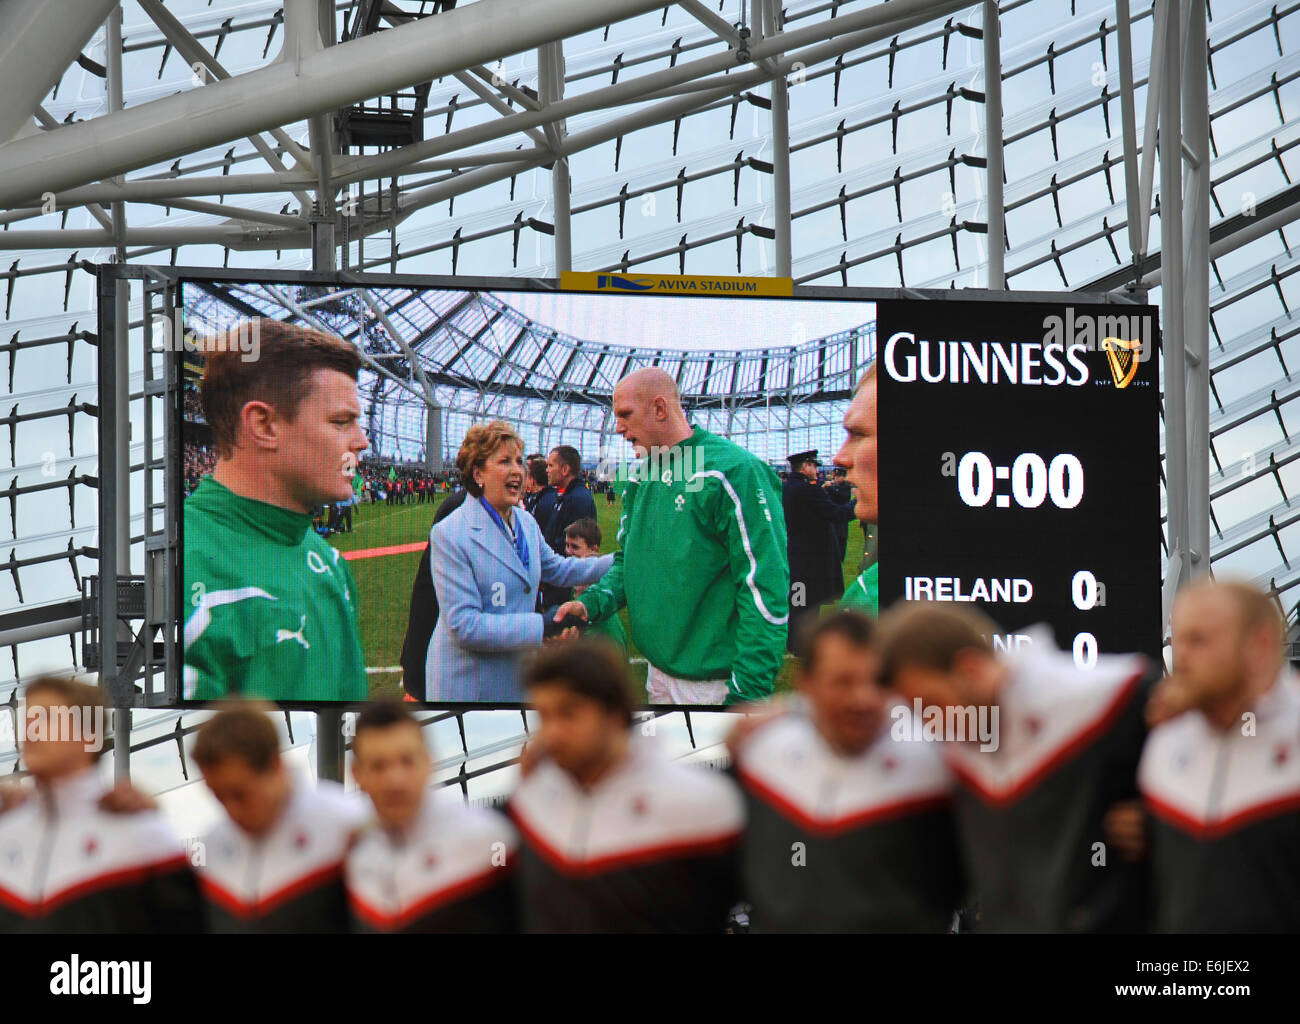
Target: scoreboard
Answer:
[[1017, 467], [1019, 461]]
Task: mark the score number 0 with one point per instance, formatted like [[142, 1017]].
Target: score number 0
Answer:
[[1085, 592], [1033, 481]]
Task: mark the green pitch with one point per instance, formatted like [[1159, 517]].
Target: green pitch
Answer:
[[385, 582]]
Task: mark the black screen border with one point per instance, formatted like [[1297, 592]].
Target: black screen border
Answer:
[[183, 276]]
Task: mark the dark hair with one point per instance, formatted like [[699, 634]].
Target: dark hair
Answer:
[[931, 636], [287, 355], [246, 732], [537, 470], [588, 667], [379, 715], [853, 627], [585, 529], [570, 456]]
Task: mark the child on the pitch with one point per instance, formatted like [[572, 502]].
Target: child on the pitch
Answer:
[[582, 540]]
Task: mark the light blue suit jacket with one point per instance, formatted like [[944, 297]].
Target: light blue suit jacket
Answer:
[[486, 601]]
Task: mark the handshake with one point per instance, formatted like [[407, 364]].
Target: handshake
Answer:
[[568, 623]]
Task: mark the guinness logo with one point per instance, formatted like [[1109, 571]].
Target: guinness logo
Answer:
[[1123, 358]]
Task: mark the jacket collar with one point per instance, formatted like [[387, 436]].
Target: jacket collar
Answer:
[[282, 525], [1284, 693], [74, 794], [489, 536]]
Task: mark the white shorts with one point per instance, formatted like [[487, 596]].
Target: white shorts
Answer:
[[665, 689]]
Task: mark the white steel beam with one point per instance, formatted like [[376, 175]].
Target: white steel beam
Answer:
[[1196, 294], [992, 29], [1171, 291], [293, 88], [1134, 213], [38, 40]]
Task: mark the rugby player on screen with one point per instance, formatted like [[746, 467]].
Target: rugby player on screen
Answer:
[[858, 457], [270, 607], [702, 565]]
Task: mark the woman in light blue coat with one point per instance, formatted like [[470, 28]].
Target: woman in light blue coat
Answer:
[[487, 559]]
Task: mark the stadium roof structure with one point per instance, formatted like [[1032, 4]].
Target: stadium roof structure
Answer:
[[468, 355], [837, 142]]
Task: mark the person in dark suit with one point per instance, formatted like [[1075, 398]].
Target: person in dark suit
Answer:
[[572, 502], [423, 614], [539, 495], [841, 493], [812, 545]]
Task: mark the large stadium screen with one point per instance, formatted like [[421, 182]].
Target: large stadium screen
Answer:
[[692, 475]]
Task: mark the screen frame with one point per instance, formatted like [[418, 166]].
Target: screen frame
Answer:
[[179, 277]]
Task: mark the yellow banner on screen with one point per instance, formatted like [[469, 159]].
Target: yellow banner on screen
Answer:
[[674, 284]]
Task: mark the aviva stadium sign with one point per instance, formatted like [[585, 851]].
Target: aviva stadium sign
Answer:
[[678, 284]]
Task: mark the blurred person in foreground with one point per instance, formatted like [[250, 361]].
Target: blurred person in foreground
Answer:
[[868, 814], [1220, 776], [488, 559], [701, 566], [274, 863], [69, 862], [423, 864], [614, 836], [271, 607], [1043, 752]]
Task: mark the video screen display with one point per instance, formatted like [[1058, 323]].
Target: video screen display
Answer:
[[406, 490], [1019, 467]]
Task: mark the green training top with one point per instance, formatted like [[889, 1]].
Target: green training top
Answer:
[[702, 569], [270, 607], [611, 628], [863, 594]]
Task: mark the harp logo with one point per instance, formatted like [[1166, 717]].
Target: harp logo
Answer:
[[614, 282], [1122, 355]]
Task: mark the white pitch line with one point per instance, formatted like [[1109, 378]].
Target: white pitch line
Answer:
[[380, 670]]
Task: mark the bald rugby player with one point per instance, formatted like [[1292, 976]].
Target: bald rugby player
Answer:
[[702, 568]]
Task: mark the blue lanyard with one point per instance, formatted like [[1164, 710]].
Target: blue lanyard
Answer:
[[521, 542]]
